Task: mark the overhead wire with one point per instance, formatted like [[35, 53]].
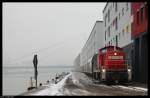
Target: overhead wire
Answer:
[[41, 50]]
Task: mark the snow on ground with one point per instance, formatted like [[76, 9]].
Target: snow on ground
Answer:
[[78, 78], [140, 88], [133, 88], [53, 89], [77, 83], [74, 78]]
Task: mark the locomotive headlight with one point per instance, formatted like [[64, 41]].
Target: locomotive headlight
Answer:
[[115, 53], [103, 70], [129, 70]]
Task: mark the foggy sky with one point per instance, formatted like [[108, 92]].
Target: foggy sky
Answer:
[[55, 31]]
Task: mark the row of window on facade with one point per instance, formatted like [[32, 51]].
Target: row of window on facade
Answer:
[[107, 16], [118, 37], [110, 27], [141, 14], [114, 22], [125, 30]]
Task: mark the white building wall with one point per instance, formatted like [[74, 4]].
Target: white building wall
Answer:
[[94, 42], [77, 62], [123, 15]]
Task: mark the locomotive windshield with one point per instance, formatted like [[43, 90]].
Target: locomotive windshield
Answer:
[[115, 57]]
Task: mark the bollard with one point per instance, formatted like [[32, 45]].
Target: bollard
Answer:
[[40, 84], [47, 81]]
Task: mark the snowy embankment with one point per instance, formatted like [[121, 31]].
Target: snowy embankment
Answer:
[[53, 89]]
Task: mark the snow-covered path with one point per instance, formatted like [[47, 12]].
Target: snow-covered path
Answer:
[[77, 83]]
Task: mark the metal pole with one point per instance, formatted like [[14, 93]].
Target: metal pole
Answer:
[[35, 62], [31, 82], [36, 81]]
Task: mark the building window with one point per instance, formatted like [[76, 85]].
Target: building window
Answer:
[[113, 22], [116, 23], [132, 29], [116, 40], [142, 14], [111, 26], [127, 7], [105, 19], [123, 32], [116, 7], [119, 36], [111, 42], [119, 16], [127, 28], [122, 11], [108, 15], [137, 17], [109, 31], [105, 35]]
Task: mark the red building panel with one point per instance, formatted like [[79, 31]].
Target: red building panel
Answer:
[[140, 18]]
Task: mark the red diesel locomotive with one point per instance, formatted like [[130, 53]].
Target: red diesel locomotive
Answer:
[[109, 65]]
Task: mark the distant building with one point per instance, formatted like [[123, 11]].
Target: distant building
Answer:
[[94, 42], [117, 25], [140, 41]]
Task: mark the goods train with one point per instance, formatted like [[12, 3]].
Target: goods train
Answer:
[[109, 65]]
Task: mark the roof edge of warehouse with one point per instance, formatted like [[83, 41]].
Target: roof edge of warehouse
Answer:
[[92, 30], [105, 7]]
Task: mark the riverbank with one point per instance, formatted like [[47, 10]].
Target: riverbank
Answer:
[[16, 80], [48, 83]]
